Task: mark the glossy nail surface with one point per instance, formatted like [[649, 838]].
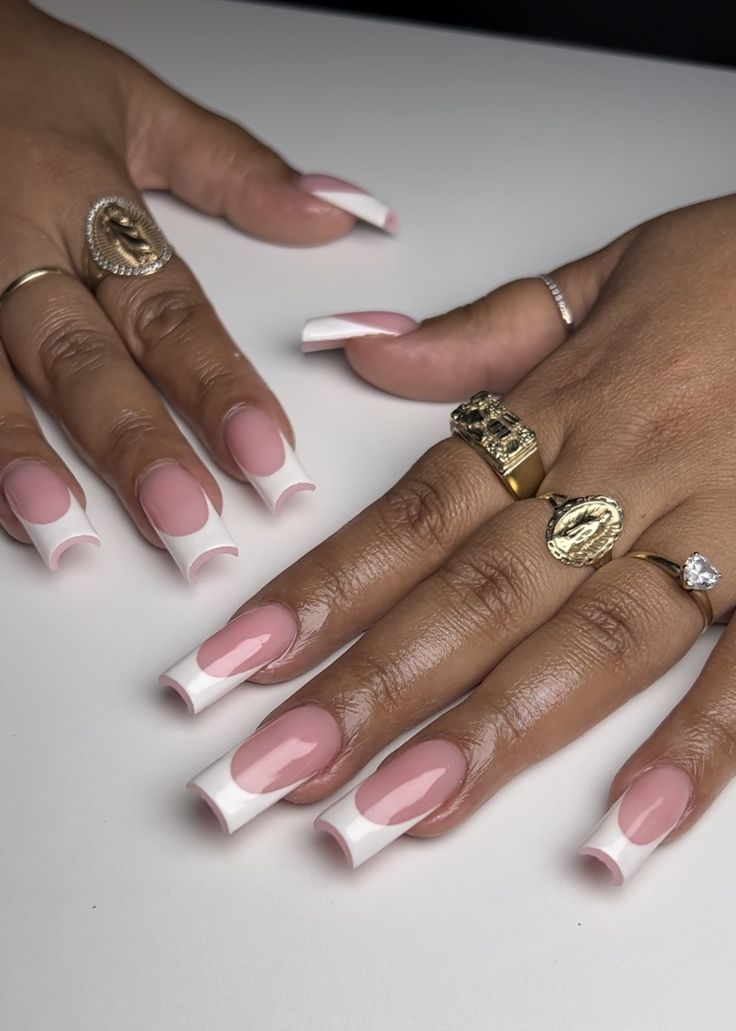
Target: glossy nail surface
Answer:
[[235, 653], [394, 799], [183, 517], [263, 454], [331, 331], [351, 198], [649, 809], [268, 765], [48, 511]]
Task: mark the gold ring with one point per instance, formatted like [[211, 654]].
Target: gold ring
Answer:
[[28, 277], [502, 440], [696, 575], [583, 531], [123, 240]]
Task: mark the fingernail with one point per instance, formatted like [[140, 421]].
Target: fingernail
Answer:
[[331, 331], [183, 517], [351, 198], [235, 653], [393, 799], [268, 765], [641, 819], [263, 454], [48, 511]]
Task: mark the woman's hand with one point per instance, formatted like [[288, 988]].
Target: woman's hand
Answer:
[[452, 582], [79, 121]]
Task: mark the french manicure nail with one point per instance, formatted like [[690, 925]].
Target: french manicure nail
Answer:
[[183, 517], [235, 653], [331, 331], [649, 809], [48, 511], [268, 765], [393, 799], [263, 454], [351, 198]]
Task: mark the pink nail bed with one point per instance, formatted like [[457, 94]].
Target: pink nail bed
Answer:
[[183, 517], [649, 809], [351, 198], [263, 454], [48, 511], [235, 653], [269, 764], [332, 331], [394, 799]]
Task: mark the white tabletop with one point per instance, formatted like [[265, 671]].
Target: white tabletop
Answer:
[[122, 906]]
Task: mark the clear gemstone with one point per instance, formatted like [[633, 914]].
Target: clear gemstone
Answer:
[[698, 574]]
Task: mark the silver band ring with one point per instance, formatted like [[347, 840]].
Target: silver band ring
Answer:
[[559, 298], [28, 277]]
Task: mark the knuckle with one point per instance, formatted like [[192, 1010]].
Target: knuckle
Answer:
[[499, 583], [716, 730], [612, 622], [128, 430], [334, 588], [66, 351], [175, 313], [384, 681]]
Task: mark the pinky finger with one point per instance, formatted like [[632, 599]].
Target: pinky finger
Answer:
[[667, 785], [40, 501]]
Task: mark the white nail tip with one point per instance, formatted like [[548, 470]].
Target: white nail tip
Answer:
[[51, 540], [276, 488], [192, 550], [335, 329], [609, 845], [360, 838], [197, 688], [233, 805], [362, 205]]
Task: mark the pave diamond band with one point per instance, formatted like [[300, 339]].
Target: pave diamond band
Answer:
[[560, 300], [502, 440], [696, 575]]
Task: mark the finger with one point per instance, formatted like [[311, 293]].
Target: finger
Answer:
[[215, 165], [173, 332], [40, 501], [672, 779], [345, 584], [80, 370], [489, 345], [622, 628]]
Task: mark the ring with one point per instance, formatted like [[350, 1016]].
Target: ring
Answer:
[[583, 531], [502, 440], [123, 240], [696, 575], [559, 298], [28, 277]]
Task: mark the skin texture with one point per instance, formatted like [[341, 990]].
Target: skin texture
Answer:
[[636, 403], [101, 364]]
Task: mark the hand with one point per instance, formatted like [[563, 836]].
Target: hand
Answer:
[[452, 583], [72, 130]]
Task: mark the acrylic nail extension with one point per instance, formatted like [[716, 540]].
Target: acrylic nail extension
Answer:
[[394, 799], [263, 454], [351, 198], [183, 517], [48, 511], [235, 653], [332, 331], [268, 765], [649, 809]]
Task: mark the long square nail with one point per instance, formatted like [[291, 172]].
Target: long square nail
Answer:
[[351, 198], [264, 455]]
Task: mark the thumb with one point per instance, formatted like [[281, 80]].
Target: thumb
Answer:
[[218, 167], [490, 344]]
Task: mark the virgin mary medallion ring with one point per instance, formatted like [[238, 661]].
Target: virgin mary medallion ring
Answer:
[[583, 531], [502, 440], [124, 240]]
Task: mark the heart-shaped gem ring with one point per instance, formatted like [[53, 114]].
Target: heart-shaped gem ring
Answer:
[[696, 576]]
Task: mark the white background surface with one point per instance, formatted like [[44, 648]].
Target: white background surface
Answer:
[[123, 908]]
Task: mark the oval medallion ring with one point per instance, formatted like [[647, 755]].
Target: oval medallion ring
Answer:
[[583, 531], [124, 240]]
